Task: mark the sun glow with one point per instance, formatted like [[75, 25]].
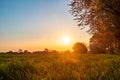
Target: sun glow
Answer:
[[66, 40]]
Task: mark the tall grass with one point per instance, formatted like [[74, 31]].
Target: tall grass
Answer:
[[60, 67], [17, 70]]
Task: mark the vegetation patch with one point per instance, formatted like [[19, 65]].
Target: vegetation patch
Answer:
[[61, 67]]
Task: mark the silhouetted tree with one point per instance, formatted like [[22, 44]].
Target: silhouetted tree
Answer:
[[79, 48], [26, 51], [100, 15], [9, 52], [100, 42], [46, 50], [96, 46], [20, 51]]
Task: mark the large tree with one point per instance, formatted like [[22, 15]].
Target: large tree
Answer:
[[102, 16]]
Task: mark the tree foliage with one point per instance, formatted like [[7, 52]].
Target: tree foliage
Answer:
[[99, 43], [102, 17], [96, 13], [79, 48]]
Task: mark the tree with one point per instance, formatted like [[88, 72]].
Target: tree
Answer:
[[96, 44], [20, 51], [46, 50], [96, 13], [9, 52], [79, 48], [26, 51], [100, 15], [100, 42]]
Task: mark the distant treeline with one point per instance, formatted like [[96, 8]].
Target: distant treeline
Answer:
[[20, 51], [29, 52]]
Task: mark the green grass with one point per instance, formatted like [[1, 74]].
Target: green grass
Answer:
[[59, 67]]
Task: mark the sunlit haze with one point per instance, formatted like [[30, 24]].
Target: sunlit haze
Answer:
[[38, 24], [66, 40]]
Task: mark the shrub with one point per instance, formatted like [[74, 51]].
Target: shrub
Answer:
[[79, 48]]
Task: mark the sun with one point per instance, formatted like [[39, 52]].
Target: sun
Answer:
[[66, 40]]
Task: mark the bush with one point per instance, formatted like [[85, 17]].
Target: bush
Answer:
[[79, 48]]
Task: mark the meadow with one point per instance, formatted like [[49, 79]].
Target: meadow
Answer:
[[60, 66]]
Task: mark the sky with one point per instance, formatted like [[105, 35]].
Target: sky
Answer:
[[38, 24]]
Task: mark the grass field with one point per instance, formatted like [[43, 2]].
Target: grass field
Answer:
[[59, 67]]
